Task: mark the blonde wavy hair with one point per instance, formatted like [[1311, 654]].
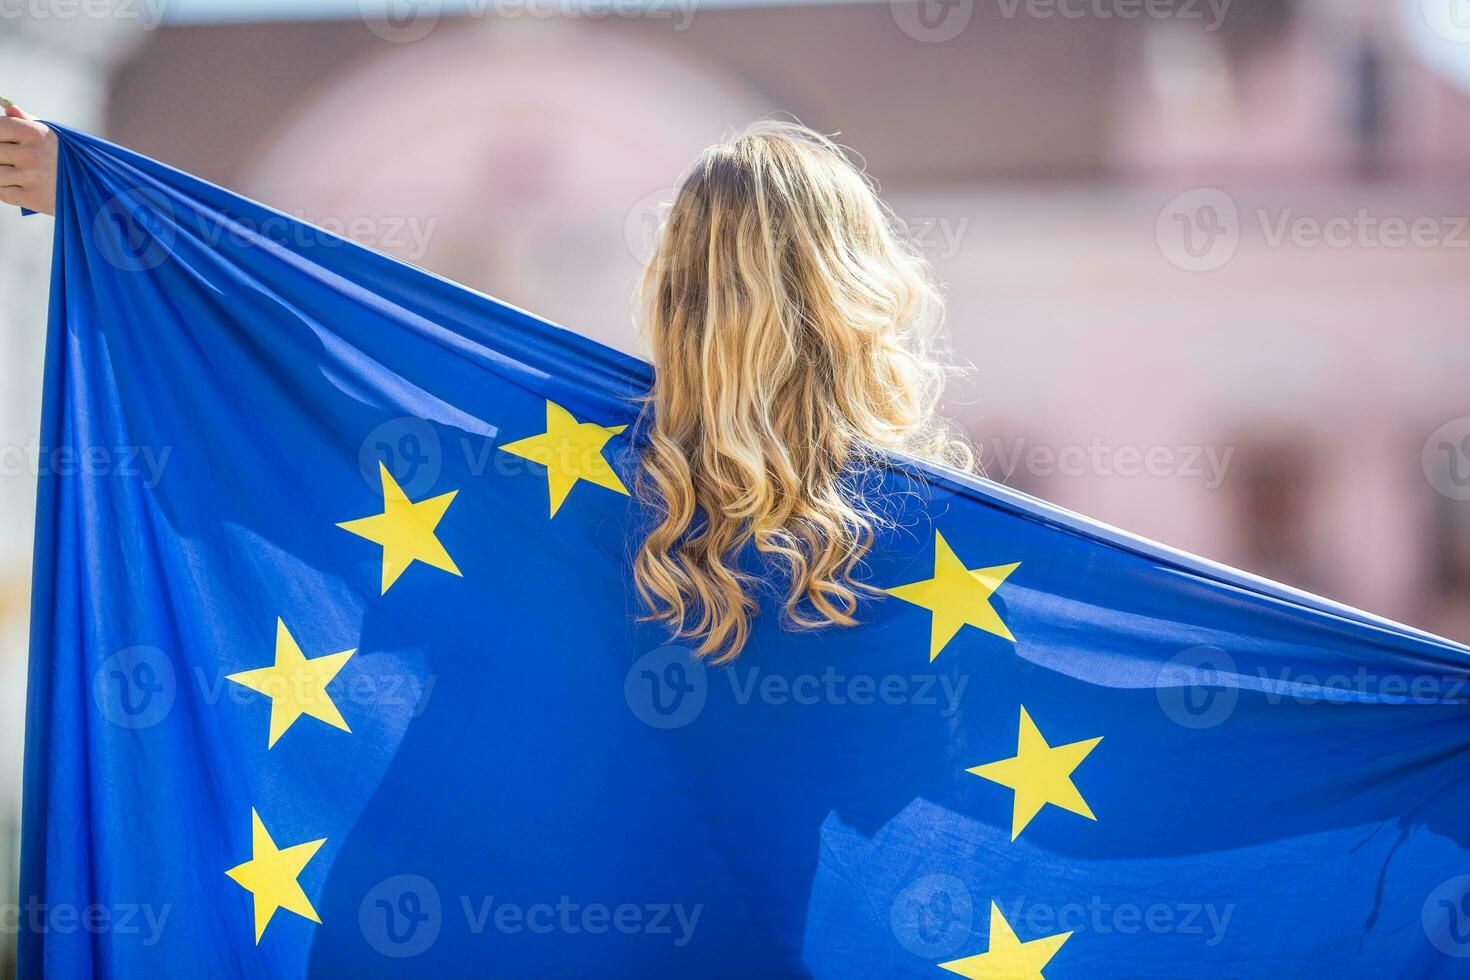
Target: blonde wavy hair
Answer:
[[792, 326]]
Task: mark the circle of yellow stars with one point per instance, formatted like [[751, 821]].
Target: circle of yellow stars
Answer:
[[570, 451], [407, 531], [1038, 775]]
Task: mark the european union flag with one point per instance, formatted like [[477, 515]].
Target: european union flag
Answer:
[[336, 671]]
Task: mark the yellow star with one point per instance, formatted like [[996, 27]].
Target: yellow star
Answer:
[[1008, 958], [570, 451], [957, 596], [295, 685], [1040, 774], [405, 529], [270, 876]]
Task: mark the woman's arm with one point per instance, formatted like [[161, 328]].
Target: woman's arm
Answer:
[[27, 162]]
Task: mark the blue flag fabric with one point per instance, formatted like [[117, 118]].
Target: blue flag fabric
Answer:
[[337, 670]]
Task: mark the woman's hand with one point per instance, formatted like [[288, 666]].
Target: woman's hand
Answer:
[[27, 162]]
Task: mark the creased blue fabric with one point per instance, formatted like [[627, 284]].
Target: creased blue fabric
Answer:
[[528, 781]]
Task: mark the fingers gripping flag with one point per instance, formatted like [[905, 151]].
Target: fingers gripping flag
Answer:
[[336, 670]]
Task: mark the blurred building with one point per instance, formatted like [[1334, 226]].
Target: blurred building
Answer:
[[1210, 266], [1277, 400]]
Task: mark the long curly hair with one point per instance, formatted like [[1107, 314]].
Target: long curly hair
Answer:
[[792, 326]]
